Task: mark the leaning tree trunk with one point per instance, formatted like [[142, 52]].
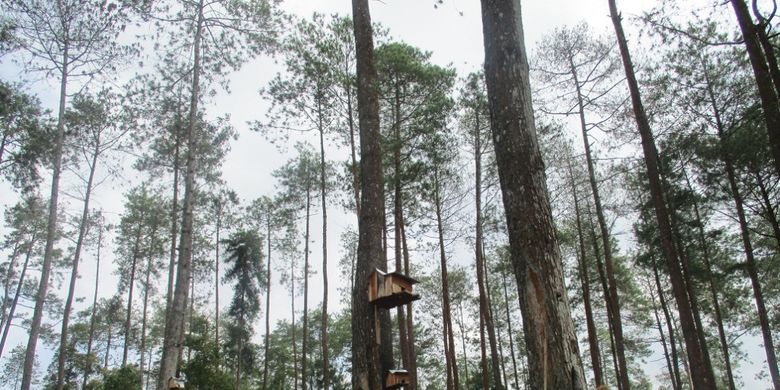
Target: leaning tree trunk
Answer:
[[702, 377], [612, 297], [768, 95], [92, 318], [9, 320], [174, 321], [660, 328], [484, 301], [51, 230], [74, 272], [551, 343], [593, 340], [372, 352]]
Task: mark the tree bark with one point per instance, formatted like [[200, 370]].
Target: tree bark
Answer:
[[371, 343], [131, 286], [74, 273], [669, 324], [412, 367], [768, 94], [549, 332], [397, 217], [267, 300], [10, 317], [216, 274], [702, 377], [509, 328], [324, 319], [51, 230], [90, 339], [593, 340], [305, 338], [174, 321]]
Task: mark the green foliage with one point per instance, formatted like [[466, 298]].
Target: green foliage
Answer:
[[123, 378]]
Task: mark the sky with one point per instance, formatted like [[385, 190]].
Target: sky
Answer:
[[452, 32]]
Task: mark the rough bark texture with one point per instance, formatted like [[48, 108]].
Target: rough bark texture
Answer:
[[702, 377], [769, 99], [371, 344], [552, 349], [174, 324]]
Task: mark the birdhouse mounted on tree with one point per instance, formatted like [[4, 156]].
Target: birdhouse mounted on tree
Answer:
[[390, 290], [397, 379], [175, 383]]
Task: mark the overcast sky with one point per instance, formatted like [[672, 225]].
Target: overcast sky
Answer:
[[453, 34]]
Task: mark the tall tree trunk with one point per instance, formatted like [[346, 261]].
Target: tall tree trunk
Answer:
[[549, 332], [216, 275], [702, 377], [462, 325], [660, 328], [174, 220], [768, 94], [351, 123], [305, 341], [129, 314], [750, 262], [74, 272], [412, 367], [174, 321], [397, 216], [484, 301], [593, 340], [51, 229], [92, 318], [147, 281], [292, 315], [452, 363], [9, 273], [483, 353], [372, 352], [669, 324], [509, 326], [612, 297], [267, 300], [324, 319], [10, 319]]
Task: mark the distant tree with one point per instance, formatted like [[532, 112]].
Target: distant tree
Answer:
[[123, 378]]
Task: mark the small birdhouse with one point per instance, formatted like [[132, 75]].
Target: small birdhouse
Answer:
[[390, 290], [397, 379], [175, 383]]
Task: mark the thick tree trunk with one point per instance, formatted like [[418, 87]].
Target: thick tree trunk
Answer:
[[371, 343], [174, 321], [702, 377], [612, 297], [593, 340], [74, 273], [51, 229], [91, 337], [549, 332], [768, 94]]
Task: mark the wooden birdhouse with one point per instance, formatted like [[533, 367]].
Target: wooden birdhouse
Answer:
[[175, 383], [397, 379], [390, 290]]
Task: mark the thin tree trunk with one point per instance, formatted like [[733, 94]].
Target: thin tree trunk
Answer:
[[174, 323], [660, 328], [549, 332], [702, 377], [724, 345], [593, 340], [483, 353], [372, 352], [750, 262], [324, 319], [305, 342], [174, 222], [770, 216], [216, 275], [74, 273], [292, 314], [462, 325], [128, 318], [9, 320], [509, 325], [147, 281], [446, 311], [670, 328], [412, 367], [9, 273], [267, 301], [351, 124], [397, 213], [51, 230], [88, 362], [612, 297], [768, 94]]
